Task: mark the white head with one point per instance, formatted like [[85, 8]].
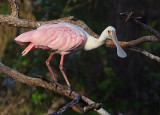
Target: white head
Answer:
[[110, 32]]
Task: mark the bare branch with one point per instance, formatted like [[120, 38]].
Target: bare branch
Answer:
[[148, 28], [87, 108], [151, 38], [130, 45], [55, 87], [144, 52], [9, 20], [142, 39], [16, 22], [69, 105], [144, 26]]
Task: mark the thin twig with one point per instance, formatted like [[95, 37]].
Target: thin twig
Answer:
[[144, 52], [68, 106], [88, 108], [144, 26], [148, 28], [128, 17], [132, 43]]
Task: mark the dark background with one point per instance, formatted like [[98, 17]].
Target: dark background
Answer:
[[130, 86]]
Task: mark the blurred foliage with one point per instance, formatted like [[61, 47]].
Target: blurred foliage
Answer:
[[129, 86]]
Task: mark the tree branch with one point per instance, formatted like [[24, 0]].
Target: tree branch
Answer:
[[87, 108], [69, 105], [144, 26], [13, 21], [140, 40], [144, 52], [55, 87], [23, 23]]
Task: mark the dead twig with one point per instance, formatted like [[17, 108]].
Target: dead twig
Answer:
[[144, 26], [144, 52], [151, 38], [87, 108], [128, 17], [68, 106]]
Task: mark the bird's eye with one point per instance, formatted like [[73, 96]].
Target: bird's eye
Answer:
[[109, 32]]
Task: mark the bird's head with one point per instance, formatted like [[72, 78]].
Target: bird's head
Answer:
[[110, 33]]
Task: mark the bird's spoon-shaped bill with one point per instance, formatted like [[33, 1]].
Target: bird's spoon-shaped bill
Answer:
[[120, 52]]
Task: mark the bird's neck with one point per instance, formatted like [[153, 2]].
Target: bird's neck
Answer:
[[93, 42]]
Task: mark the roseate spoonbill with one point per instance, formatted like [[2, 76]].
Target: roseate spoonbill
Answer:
[[64, 38]]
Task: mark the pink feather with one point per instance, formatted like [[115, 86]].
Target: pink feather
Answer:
[[60, 37]]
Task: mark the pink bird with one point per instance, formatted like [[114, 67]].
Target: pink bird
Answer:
[[65, 38]]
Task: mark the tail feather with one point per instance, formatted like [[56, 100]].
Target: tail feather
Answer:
[[28, 49]]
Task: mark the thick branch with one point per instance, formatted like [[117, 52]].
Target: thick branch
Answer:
[[16, 22], [129, 45], [9, 20], [151, 38], [13, 21], [57, 88]]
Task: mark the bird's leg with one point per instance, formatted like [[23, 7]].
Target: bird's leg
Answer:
[[64, 75], [49, 67], [61, 68]]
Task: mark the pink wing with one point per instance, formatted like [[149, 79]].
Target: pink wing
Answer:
[[60, 36]]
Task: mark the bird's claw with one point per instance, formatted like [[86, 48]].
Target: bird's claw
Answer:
[[71, 90], [56, 85]]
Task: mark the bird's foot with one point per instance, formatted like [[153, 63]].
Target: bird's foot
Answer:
[[71, 90], [55, 85], [43, 78]]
